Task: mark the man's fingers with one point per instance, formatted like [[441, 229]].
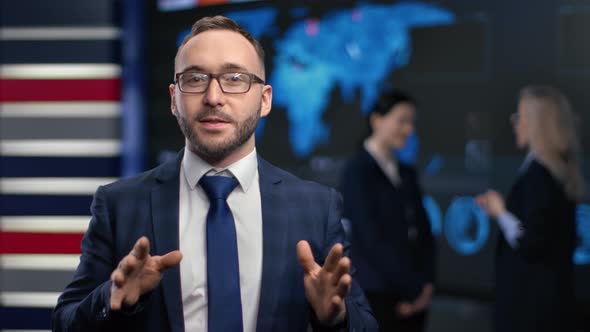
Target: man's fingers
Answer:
[[338, 309], [336, 301], [123, 265], [141, 249], [118, 278], [333, 258], [116, 297], [344, 285], [169, 260], [126, 272], [305, 257], [131, 299], [128, 265], [120, 296], [115, 305], [342, 269], [131, 264]]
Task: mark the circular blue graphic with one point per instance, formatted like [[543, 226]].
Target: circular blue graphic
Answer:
[[582, 252], [466, 226], [433, 213]]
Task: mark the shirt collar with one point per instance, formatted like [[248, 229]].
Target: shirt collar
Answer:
[[388, 164], [244, 170], [378, 155]]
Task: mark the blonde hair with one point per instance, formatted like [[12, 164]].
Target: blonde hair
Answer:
[[552, 136]]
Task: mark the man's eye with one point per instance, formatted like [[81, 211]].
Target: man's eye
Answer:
[[236, 77], [197, 78]]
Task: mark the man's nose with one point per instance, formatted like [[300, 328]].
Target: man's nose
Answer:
[[213, 94]]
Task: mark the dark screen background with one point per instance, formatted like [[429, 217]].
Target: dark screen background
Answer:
[[465, 78]]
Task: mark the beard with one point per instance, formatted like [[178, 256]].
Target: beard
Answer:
[[215, 152]]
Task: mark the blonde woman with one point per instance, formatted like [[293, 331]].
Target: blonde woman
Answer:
[[534, 268]]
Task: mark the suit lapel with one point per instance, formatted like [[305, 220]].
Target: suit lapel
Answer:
[[274, 250], [165, 200]]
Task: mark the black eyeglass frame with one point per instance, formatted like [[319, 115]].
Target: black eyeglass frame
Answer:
[[211, 76]]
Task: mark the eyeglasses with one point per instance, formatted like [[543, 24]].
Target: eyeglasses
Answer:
[[195, 82], [514, 118]]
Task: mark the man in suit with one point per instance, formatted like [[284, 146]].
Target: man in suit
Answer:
[[154, 259]]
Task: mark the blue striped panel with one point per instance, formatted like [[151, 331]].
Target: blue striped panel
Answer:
[[60, 51], [134, 91], [25, 318], [33, 13], [44, 205], [59, 167]]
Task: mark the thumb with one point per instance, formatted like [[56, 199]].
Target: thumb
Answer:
[[169, 260], [305, 257]]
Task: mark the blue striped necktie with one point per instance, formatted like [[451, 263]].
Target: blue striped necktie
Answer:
[[223, 272]]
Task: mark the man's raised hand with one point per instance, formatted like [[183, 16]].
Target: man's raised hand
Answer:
[[139, 273], [326, 286]]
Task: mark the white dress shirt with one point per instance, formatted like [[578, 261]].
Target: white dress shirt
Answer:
[[245, 204]]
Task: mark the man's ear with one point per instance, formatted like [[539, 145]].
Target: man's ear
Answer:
[[266, 102], [173, 109]]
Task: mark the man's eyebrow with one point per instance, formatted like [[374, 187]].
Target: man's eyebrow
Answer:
[[232, 66], [193, 68], [227, 67]]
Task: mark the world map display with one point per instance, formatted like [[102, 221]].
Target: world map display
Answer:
[[352, 49]]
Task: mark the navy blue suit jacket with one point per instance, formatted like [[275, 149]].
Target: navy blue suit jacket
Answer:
[[147, 205]]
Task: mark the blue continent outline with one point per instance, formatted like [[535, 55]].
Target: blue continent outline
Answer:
[[353, 49]]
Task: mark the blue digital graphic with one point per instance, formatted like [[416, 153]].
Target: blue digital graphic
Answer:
[[181, 36], [409, 153], [466, 227], [173, 5], [582, 252], [259, 22], [352, 49], [434, 214], [434, 166]]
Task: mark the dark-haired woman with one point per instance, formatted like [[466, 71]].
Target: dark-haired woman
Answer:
[[391, 242]]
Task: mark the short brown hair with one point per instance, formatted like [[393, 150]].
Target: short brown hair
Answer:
[[221, 23]]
